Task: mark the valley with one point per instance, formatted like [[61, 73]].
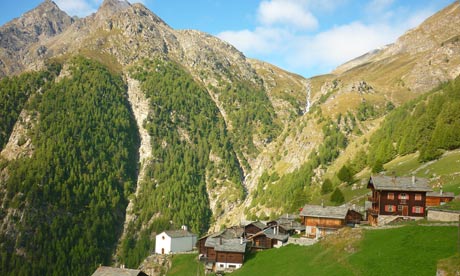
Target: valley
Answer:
[[116, 127]]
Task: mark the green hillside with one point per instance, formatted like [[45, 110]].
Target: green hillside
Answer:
[[66, 202], [408, 250]]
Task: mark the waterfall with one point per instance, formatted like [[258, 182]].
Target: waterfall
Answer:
[[308, 103]]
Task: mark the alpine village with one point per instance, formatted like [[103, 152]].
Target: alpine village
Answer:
[[128, 147]]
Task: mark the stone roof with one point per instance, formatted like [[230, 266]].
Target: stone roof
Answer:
[[257, 224], [225, 245], [390, 183], [179, 233], [338, 212], [270, 233], [113, 271], [439, 194]]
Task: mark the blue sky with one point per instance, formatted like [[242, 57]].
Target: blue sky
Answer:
[[308, 37]]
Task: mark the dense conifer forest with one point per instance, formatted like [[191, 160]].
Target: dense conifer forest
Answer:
[[69, 197]]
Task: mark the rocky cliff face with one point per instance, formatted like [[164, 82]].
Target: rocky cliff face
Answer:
[[121, 34], [18, 35]]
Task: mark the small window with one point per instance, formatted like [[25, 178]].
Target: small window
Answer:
[[417, 210], [162, 237], [391, 196], [400, 208], [221, 265], [418, 197], [389, 208], [232, 266], [403, 196]]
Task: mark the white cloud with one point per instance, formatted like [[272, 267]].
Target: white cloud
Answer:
[[330, 48], [376, 6], [79, 8], [306, 51], [260, 41], [286, 12], [82, 8]]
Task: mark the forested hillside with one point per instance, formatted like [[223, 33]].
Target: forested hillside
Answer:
[[192, 151], [63, 207], [429, 124]]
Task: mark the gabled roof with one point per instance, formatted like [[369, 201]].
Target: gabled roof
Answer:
[[113, 271], [225, 245], [178, 233], [337, 212], [257, 224], [439, 194], [390, 183]]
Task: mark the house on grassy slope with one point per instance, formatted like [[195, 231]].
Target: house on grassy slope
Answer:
[[114, 271], [397, 196], [268, 238], [320, 220], [254, 228], [174, 241], [287, 224]]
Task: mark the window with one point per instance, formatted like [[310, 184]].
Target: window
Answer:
[[232, 266], [390, 208], [162, 237], [400, 208], [391, 196], [221, 265], [418, 197], [403, 196], [417, 210]]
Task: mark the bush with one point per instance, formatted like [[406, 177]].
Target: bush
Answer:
[[337, 196]]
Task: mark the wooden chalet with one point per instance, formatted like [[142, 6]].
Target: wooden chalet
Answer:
[[114, 271], [223, 251], [438, 198], [287, 225], [397, 196], [268, 238], [320, 220], [254, 228]]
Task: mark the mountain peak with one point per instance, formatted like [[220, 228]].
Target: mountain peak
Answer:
[[111, 7]]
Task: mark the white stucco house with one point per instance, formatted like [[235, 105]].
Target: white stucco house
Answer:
[[174, 241]]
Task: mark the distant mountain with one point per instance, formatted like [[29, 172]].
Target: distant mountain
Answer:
[[116, 126]]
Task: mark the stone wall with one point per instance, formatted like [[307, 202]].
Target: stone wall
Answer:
[[443, 215]]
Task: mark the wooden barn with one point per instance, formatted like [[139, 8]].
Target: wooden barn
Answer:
[[397, 196], [438, 198], [321, 220], [254, 228], [287, 224], [223, 251], [268, 238]]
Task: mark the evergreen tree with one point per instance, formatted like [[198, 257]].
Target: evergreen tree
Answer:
[[337, 196], [326, 187]]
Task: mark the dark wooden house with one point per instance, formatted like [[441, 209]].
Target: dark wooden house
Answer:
[[268, 238], [224, 250], [287, 225], [397, 196], [254, 228]]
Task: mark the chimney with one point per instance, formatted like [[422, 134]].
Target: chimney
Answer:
[[184, 227], [413, 179], [241, 240], [277, 229], [322, 203], [440, 191]]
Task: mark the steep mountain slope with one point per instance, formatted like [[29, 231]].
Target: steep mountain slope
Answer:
[[220, 138], [18, 35]]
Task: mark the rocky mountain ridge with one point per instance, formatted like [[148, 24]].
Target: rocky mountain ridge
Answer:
[[282, 148]]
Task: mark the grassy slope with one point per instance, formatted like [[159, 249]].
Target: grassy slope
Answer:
[[407, 250], [185, 265]]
